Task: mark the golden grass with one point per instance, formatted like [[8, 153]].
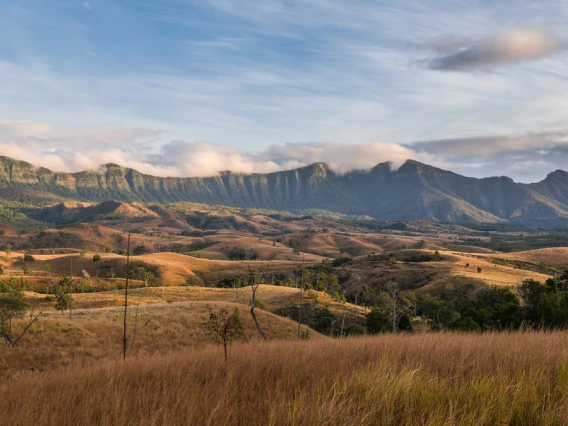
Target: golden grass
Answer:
[[492, 274], [273, 297], [430, 379], [96, 334], [171, 268], [556, 257]]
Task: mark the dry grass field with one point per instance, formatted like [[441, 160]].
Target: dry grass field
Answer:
[[428, 379], [171, 268], [95, 334]]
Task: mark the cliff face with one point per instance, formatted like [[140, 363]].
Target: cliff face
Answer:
[[414, 191]]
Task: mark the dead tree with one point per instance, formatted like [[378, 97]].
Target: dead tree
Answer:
[[135, 322], [71, 293], [125, 339], [254, 288], [344, 312], [332, 323], [301, 298], [26, 329], [236, 289], [393, 290]]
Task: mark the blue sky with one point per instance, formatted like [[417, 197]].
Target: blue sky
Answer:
[[192, 87]]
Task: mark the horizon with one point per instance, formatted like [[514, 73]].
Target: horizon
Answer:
[[99, 168], [187, 89]]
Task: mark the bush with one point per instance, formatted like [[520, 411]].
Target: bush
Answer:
[[29, 257], [140, 250], [376, 322], [97, 257], [192, 281], [340, 261]]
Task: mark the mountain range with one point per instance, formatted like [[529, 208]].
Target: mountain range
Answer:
[[413, 191]]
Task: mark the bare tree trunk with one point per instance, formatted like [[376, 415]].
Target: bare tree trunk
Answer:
[[253, 304], [343, 320], [135, 323], [301, 297], [300, 314], [26, 329], [332, 323], [125, 339], [236, 290], [394, 315], [71, 293], [225, 349]]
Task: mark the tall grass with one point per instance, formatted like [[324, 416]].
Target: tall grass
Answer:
[[431, 379]]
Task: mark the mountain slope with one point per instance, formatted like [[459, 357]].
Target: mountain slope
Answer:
[[414, 191]]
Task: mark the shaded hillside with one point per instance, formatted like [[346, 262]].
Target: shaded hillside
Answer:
[[414, 191]]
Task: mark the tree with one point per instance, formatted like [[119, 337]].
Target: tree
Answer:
[[47, 268], [26, 269], [12, 305], [531, 292], [377, 322], [62, 299], [106, 248], [140, 250], [254, 288], [84, 251], [393, 288], [224, 327]]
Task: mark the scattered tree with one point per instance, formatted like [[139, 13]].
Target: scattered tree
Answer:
[[224, 327], [26, 269], [12, 305]]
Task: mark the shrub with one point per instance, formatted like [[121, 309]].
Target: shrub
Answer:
[[340, 261], [192, 281], [29, 257], [97, 257]]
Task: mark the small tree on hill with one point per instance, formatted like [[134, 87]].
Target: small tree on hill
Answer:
[[12, 305], [26, 269], [224, 327], [62, 299]]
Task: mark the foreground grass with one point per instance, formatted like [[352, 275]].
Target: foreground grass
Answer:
[[430, 379]]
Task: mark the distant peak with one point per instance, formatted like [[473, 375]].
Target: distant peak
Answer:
[[557, 174]]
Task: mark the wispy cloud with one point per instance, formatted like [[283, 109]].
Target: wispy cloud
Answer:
[[527, 157], [87, 5], [506, 48]]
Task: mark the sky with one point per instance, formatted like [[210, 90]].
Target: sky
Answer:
[[191, 88]]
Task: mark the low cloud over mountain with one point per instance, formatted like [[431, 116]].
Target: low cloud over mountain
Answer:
[[525, 157]]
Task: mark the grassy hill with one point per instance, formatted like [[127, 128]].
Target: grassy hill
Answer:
[[95, 334]]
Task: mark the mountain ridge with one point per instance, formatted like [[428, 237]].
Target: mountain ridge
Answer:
[[413, 191]]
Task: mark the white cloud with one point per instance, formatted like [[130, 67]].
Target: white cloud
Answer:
[[87, 5], [506, 48], [72, 150], [526, 157]]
